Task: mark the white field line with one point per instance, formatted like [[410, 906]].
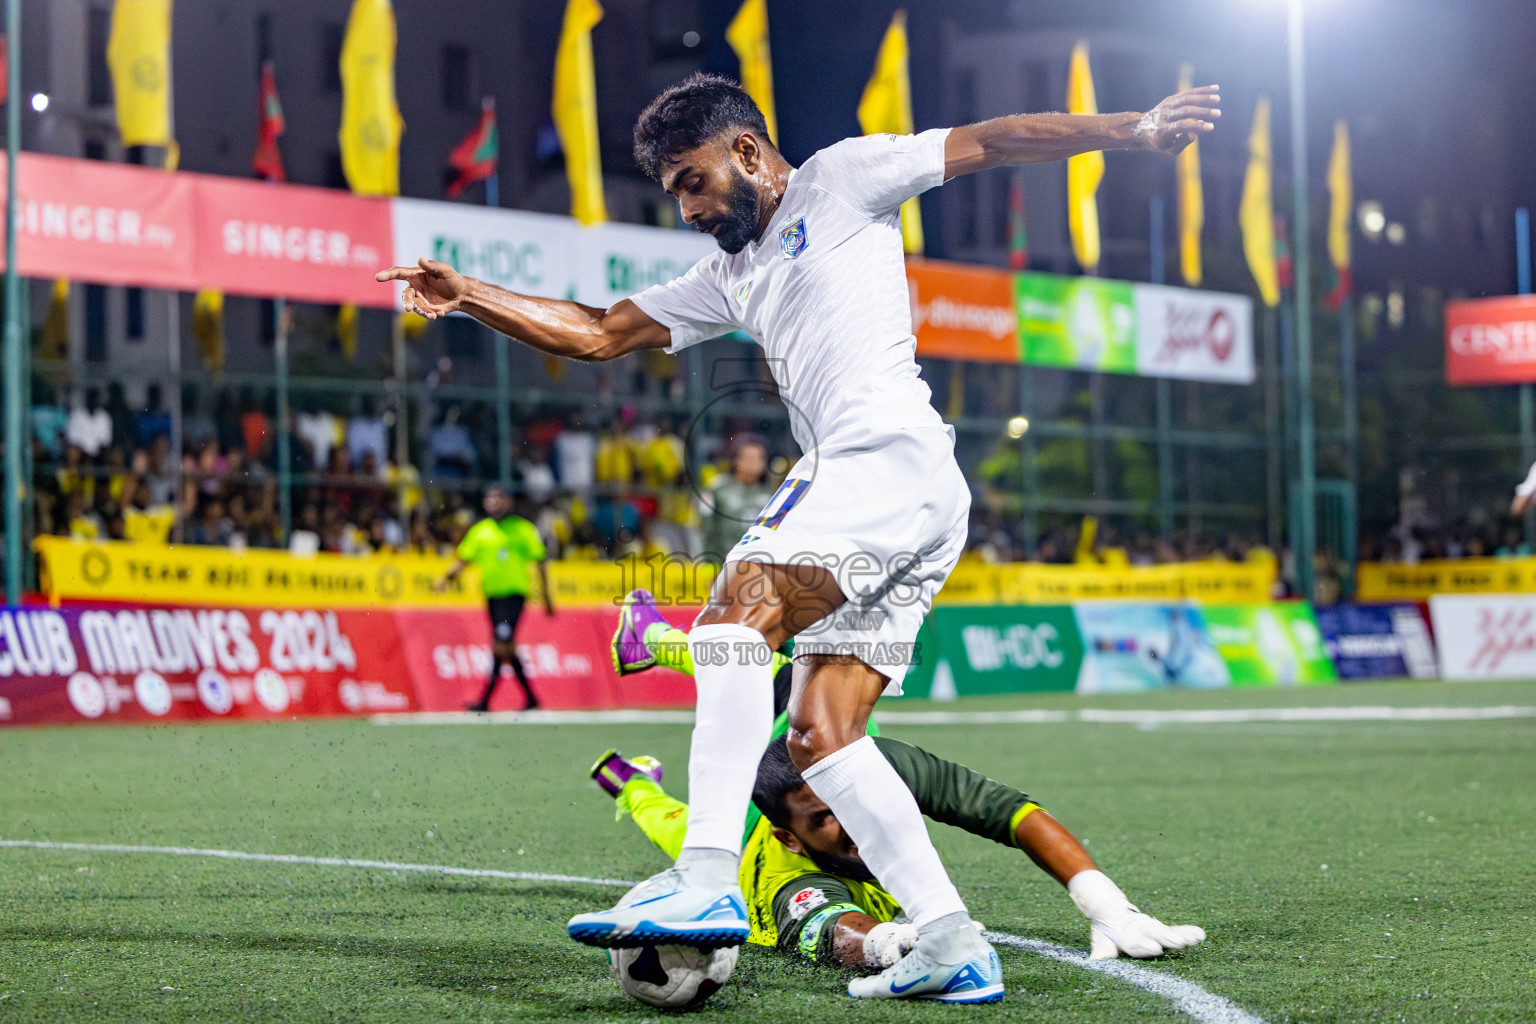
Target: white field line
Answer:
[[1026, 716], [1187, 997]]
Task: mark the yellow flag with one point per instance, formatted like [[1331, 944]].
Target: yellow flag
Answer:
[[575, 111], [346, 330], [1256, 215], [413, 326], [370, 119], [1084, 171], [748, 35], [53, 340], [886, 106], [1342, 190], [1087, 536], [1191, 201], [208, 325], [139, 56]]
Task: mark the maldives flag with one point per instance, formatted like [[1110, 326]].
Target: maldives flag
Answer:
[[268, 161], [475, 158]]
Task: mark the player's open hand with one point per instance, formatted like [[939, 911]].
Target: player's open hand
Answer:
[[1180, 119], [1126, 930], [432, 289]]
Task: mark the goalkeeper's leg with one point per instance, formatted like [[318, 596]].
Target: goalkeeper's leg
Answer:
[[635, 785], [645, 639]]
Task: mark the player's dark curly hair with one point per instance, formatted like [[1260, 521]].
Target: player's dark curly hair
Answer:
[[691, 113], [777, 778]]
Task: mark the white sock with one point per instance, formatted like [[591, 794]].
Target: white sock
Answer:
[[880, 814], [733, 672]]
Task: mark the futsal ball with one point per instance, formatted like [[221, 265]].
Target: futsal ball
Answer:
[[671, 977]]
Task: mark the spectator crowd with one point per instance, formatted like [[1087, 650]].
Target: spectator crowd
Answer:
[[104, 470]]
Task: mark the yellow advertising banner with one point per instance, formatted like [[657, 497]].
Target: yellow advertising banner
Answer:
[[1030, 583], [1383, 582], [188, 574]]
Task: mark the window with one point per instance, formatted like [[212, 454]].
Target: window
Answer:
[[95, 149], [264, 38], [457, 70], [266, 314], [331, 35], [965, 96], [999, 187], [964, 190], [95, 323], [335, 174], [98, 27], [674, 30], [1037, 87], [134, 315], [465, 338]]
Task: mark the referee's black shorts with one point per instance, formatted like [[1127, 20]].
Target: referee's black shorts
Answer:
[[505, 611]]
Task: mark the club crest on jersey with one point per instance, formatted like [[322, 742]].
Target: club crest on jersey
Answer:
[[805, 901], [793, 239]]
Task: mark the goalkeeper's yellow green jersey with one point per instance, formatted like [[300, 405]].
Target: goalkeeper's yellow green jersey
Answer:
[[791, 901], [769, 869]]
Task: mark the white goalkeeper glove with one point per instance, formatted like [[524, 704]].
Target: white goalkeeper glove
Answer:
[[1118, 927], [887, 942]]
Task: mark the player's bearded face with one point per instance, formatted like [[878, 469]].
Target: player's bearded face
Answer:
[[822, 838], [845, 865], [737, 226]]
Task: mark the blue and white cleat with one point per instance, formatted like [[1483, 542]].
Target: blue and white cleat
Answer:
[[955, 966], [668, 909]]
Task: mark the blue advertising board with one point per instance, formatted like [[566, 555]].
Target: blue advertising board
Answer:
[[1378, 641]]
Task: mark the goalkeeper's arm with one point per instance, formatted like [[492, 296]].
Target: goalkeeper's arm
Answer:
[[956, 795], [817, 917]]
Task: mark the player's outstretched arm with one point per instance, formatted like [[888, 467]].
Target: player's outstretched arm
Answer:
[[556, 326], [956, 795], [1041, 138]]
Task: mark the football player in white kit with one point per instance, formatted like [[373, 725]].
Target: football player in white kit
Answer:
[[849, 553]]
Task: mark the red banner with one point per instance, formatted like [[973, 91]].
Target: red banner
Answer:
[[447, 653], [307, 244], [139, 663], [1491, 341], [88, 220], [110, 223]]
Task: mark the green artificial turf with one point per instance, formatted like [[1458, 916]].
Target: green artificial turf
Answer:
[[1370, 871]]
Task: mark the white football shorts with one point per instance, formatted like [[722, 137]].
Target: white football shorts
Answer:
[[889, 519]]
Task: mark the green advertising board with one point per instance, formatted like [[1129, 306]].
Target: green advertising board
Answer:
[[1270, 644], [1084, 323], [994, 649]]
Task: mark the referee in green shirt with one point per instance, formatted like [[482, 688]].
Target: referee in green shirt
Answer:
[[503, 546]]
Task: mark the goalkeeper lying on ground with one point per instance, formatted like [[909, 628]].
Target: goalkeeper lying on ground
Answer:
[[806, 887]]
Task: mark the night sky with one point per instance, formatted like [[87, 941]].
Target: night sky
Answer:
[[1381, 58]]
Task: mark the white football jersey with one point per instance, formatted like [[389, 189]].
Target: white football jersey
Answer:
[[824, 292]]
